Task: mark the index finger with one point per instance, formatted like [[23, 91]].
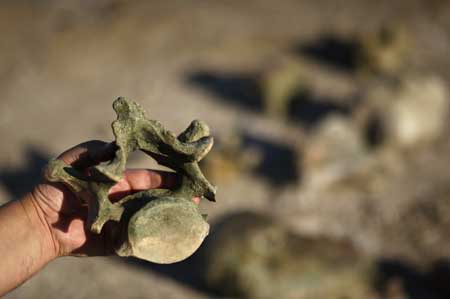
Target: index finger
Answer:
[[88, 154], [136, 180]]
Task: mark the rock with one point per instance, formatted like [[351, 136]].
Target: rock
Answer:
[[333, 150], [385, 52], [413, 111], [250, 255], [421, 230], [279, 82], [230, 160]]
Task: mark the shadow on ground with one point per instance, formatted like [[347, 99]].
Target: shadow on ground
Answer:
[[279, 162], [234, 88], [18, 181], [331, 50], [308, 110], [393, 274], [244, 91]]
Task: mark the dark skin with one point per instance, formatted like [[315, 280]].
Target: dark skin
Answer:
[[50, 221]]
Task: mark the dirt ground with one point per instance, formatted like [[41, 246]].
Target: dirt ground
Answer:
[[63, 63]]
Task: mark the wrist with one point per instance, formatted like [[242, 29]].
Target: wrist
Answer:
[[26, 242], [36, 213]]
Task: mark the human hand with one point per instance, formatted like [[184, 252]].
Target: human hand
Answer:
[[51, 221], [65, 215]]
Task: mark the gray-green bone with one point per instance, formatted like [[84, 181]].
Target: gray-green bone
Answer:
[[162, 226]]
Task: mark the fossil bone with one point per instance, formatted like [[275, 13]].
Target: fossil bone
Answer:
[[162, 226]]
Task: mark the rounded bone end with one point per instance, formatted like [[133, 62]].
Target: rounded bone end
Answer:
[[166, 230]]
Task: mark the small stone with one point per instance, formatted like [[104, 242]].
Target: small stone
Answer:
[[229, 160], [333, 151], [279, 82], [413, 111], [385, 52]]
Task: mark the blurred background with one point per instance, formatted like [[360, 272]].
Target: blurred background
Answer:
[[331, 125]]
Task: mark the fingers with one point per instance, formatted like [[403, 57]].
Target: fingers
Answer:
[[143, 179], [88, 154], [93, 152], [136, 180]]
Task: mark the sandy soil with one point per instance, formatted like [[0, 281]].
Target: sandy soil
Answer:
[[62, 65]]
